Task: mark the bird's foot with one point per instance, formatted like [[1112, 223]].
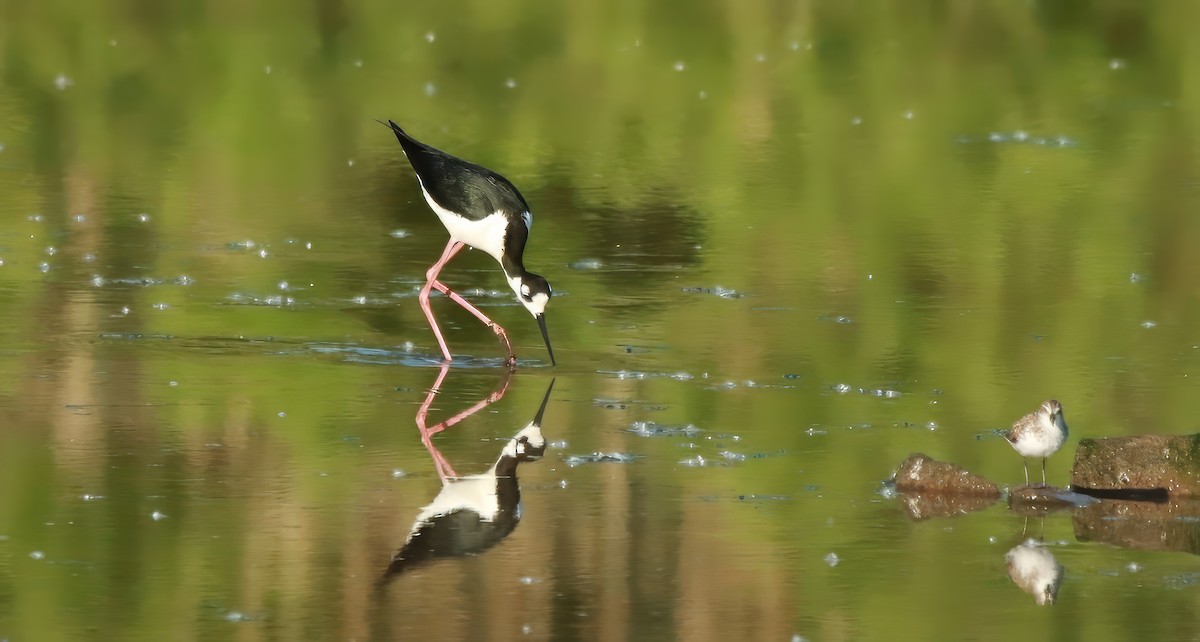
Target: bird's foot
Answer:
[[510, 362]]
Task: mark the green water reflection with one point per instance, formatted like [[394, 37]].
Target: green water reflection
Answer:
[[826, 234]]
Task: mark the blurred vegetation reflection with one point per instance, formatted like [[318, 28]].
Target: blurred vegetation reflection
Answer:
[[209, 253]]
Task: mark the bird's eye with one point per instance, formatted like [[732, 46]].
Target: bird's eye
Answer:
[[526, 297]]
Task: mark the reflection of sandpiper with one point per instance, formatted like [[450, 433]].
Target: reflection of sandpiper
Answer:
[[1039, 434], [1034, 570], [472, 513]]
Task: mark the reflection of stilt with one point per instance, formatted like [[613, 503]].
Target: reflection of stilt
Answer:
[[445, 470], [471, 513]]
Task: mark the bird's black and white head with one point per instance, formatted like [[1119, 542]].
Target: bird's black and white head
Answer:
[[533, 291], [529, 444]]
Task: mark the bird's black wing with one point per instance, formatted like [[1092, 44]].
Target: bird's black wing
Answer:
[[457, 185]]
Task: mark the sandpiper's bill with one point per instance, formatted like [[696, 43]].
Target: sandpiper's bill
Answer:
[[1039, 434]]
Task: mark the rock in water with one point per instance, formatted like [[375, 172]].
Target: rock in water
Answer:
[[1035, 499], [924, 474], [1141, 464]]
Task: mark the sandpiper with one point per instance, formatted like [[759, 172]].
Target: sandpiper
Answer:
[[482, 209], [1039, 434]]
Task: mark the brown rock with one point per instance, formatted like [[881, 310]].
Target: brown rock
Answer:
[[924, 474], [1167, 463], [1153, 526]]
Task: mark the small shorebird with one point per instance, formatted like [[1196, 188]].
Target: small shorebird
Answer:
[[482, 209], [1032, 567], [1039, 434]]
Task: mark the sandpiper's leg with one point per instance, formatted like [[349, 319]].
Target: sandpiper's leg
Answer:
[[1025, 463], [496, 327], [452, 248], [1043, 472]]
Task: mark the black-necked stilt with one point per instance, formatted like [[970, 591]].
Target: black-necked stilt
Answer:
[[473, 513], [482, 209], [1039, 434]]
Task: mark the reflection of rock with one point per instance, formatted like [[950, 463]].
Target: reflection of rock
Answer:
[[1139, 463], [928, 505], [1154, 526], [924, 474], [1033, 568], [931, 488], [1035, 499]]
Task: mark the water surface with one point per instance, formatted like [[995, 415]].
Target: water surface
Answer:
[[790, 244]]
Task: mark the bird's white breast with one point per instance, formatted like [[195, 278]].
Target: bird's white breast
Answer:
[[476, 493], [486, 234], [1042, 440], [1034, 569]]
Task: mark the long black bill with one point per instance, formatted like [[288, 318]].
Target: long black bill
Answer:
[[541, 319], [537, 419]]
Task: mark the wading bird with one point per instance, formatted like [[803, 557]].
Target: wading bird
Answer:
[[1039, 434], [482, 209], [473, 513]]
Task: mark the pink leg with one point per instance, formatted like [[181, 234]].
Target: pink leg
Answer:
[[445, 470], [452, 248], [496, 327]]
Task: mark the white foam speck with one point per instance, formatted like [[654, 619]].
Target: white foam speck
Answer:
[[37, 555], [680, 66], [62, 81], [430, 37], [158, 516], [832, 559]]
